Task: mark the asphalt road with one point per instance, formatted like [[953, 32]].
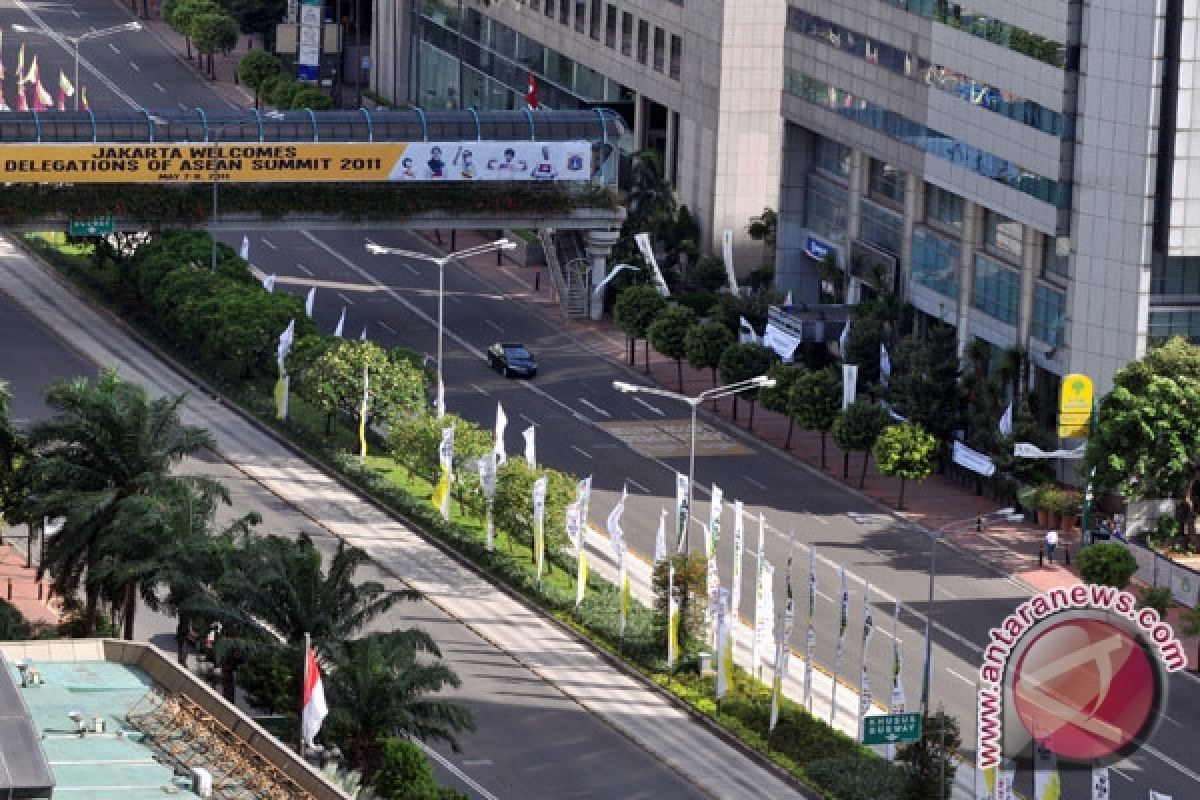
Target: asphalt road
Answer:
[[575, 410]]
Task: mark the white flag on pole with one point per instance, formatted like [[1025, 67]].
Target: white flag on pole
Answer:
[[1006, 421], [362, 337], [724, 644], [285, 343], [245, 251], [539, 524], [615, 533], [746, 332], [439, 402], [849, 384], [501, 424], [618, 542], [643, 243], [660, 539], [341, 323], [682, 512], [309, 301], [530, 451], [843, 340], [787, 301], [268, 283], [727, 252], [441, 492], [735, 589], [783, 641], [864, 681], [810, 639], [841, 642], [885, 366]]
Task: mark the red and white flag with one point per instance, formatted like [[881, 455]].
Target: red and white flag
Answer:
[[65, 90], [531, 97], [315, 710]]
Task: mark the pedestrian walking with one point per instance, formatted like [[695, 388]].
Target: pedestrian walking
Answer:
[[1051, 544]]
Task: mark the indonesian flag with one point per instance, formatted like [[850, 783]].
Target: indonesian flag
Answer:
[[65, 90], [22, 101], [315, 710], [531, 97], [83, 103]]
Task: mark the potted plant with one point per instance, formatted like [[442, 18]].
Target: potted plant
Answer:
[[1044, 500], [1070, 504]]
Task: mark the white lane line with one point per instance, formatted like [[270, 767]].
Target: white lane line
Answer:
[[1122, 774], [412, 269], [638, 416], [348, 301], [815, 518], [453, 298], [304, 269], [183, 106], [133, 66], [388, 328], [268, 242], [75, 12], [824, 596], [493, 325], [458, 773], [113, 47], [583, 453], [948, 593], [159, 86], [967, 681], [753, 482], [480, 389], [637, 485], [594, 407], [642, 402], [527, 419]]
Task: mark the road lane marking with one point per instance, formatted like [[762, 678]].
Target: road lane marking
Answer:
[[268, 242], [159, 86], [346, 299], [637, 485], [113, 47], [754, 482], [453, 298], [594, 407], [133, 66], [493, 326], [581, 452], [412, 269], [527, 419], [948, 593], [967, 681], [183, 106], [480, 389], [304, 269], [388, 328], [655, 409], [458, 773]]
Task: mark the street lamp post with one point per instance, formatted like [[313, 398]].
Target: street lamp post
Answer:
[[441, 261], [980, 521], [75, 40]]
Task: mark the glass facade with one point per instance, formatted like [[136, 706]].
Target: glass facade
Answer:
[[917, 135], [1049, 312], [996, 290], [943, 207], [881, 227], [1174, 275], [987, 28], [1054, 265], [935, 262], [825, 204], [1165, 323], [936, 76], [1003, 235], [833, 157], [887, 182]]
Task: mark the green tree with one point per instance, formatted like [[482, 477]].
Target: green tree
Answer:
[[104, 463], [1147, 438], [311, 97], [330, 377], [1157, 597], [255, 67], [764, 228], [931, 761], [780, 397], [405, 774], [649, 201], [708, 275], [385, 685], [415, 440], [513, 505], [13, 625], [668, 335], [924, 387], [691, 571], [704, 343], [742, 362], [212, 32], [907, 452], [856, 429], [180, 14], [862, 348], [635, 309], [258, 16], [817, 402], [279, 93], [1107, 563]]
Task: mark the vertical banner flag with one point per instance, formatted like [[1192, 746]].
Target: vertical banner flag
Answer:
[[724, 644], [746, 332], [501, 424], [244, 252], [1007, 779], [487, 480], [885, 366], [362, 337], [764, 615], [439, 402], [810, 637], [1046, 783], [531, 93], [681, 510], [1100, 784], [756, 639], [309, 301], [575, 534], [864, 680], [647, 250], [843, 340], [712, 536], [583, 492], [65, 90], [783, 642], [341, 324], [617, 537], [727, 252], [672, 618], [660, 539], [849, 384], [281, 354], [362, 415], [1005, 425], [539, 525], [268, 283], [530, 451], [898, 702], [841, 642], [441, 493], [787, 301], [313, 708], [735, 587]]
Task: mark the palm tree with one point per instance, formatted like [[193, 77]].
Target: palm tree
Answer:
[[103, 463], [379, 687]]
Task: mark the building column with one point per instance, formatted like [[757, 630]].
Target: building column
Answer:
[[599, 247], [639, 123], [972, 231], [1031, 262], [914, 209], [857, 187], [669, 149]]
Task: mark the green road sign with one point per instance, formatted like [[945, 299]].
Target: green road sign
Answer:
[[96, 226], [892, 729]]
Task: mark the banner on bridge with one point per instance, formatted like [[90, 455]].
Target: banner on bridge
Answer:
[[299, 162]]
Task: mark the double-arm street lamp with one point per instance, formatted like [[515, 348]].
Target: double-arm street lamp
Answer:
[[441, 261], [980, 522], [75, 40], [757, 382]]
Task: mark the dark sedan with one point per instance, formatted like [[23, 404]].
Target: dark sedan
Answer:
[[512, 360]]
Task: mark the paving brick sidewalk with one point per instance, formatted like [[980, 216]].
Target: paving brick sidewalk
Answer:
[[19, 587]]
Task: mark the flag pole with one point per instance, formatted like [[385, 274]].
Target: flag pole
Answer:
[[303, 683]]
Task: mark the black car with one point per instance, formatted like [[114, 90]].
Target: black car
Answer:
[[512, 360]]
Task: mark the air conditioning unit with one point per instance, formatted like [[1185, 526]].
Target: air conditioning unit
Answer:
[[202, 782]]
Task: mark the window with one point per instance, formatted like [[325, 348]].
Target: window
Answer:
[[997, 289], [580, 16], [935, 263], [643, 44], [1174, 275], [536, 5], [659, 46], [881, 227], [1163, 324], [626, 34], [610, 26], [676, 55], [833, 157], [943, 207], [1003, 235], [1048, 321], [1056, 266], [887, 182], [550, 8], [564, 11], [825, 204], [594, 25]]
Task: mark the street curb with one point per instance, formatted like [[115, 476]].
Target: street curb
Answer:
[[610, 659]]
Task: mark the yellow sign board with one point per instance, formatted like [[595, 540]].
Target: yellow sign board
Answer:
[[1073, 430], [1076, 395]]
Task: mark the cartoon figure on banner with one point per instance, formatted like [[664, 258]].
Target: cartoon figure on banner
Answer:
[[437, 167], [574, 162], [468, 166], [406, 169], [544, 171], [510, 165]]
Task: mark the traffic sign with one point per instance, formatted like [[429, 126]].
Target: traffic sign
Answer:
[[96, 226], [892, 728]]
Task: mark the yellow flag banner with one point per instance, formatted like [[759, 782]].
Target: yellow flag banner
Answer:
[[581, 579], [281, 396], [441, 492], [672, 618]]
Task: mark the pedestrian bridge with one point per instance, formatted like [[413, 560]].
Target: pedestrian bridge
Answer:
[[231, 169]]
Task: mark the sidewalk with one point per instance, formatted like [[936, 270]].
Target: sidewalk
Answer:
[[224, 64], [19, 586]]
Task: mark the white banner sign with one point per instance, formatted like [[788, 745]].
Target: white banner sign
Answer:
[[849, 384], [643, 243], [1027, 450], [782, 342], [973, 460], [727, 252], [494, 161]]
